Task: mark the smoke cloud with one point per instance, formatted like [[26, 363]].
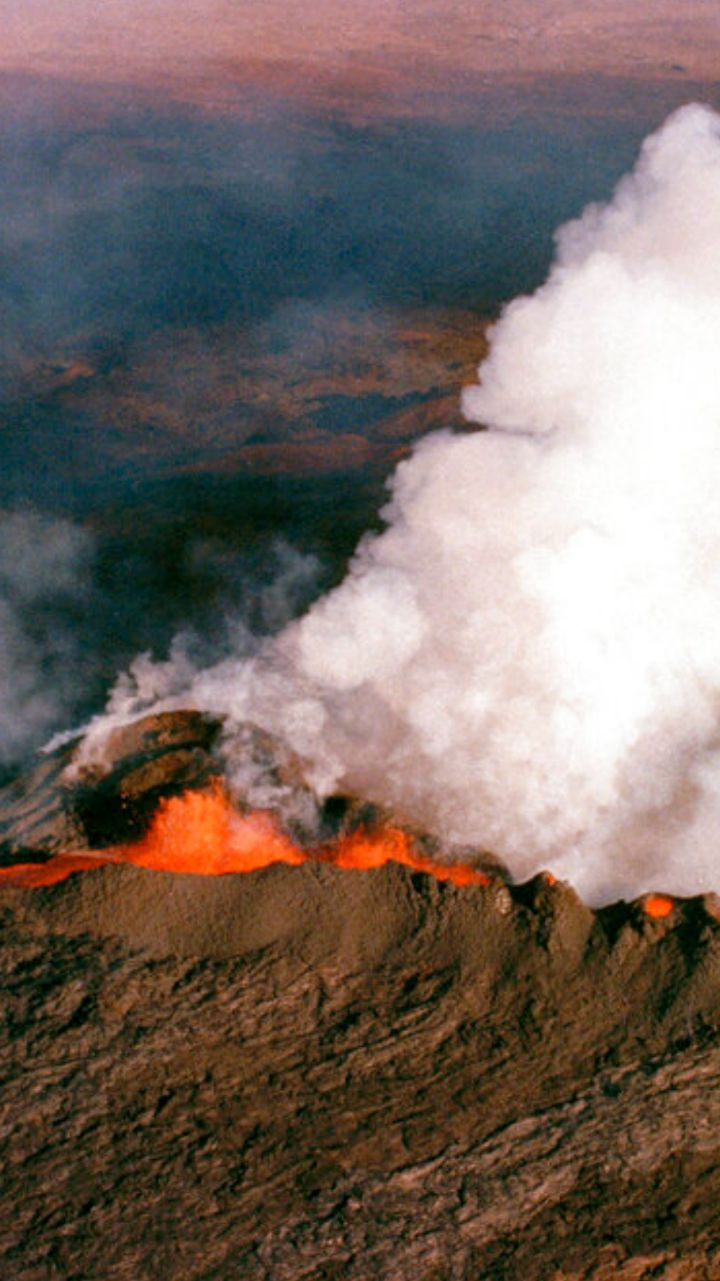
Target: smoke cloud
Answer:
[[45, 576], [527, 659]]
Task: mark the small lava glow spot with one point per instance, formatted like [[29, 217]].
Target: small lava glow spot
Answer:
[[659, 906]]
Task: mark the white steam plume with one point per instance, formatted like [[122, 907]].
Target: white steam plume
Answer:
[[528, 658]]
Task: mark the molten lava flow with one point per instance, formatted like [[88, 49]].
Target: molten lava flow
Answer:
[[34, 875], [364, 850], [201, 832]]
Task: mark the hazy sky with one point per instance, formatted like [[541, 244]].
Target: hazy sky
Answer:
[[135, 39]]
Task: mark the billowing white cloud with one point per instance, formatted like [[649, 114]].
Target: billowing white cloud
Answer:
[[528, 657]]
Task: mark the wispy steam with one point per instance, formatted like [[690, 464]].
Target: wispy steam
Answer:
[[528, 658], [45, 574]]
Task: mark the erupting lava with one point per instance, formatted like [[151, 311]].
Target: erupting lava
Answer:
[[201, 832]]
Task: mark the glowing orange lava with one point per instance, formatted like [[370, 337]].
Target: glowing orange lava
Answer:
[[363, 849], [35, 875], [201, 832], [658, 906]]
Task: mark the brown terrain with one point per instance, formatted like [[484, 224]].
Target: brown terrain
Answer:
[[306, 393], [311, 1072]]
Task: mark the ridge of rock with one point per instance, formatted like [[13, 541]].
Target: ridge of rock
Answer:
[[59, 807]]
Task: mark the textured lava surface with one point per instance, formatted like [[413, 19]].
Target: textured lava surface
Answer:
[[315, 1073]]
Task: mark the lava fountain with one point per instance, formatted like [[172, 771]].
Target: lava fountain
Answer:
[[201, 832]]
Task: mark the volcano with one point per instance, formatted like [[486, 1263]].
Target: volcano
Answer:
[[314, 1071], [364, 930], [157, 799]]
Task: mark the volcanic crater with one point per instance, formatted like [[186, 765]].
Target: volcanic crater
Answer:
[[315, 1071]]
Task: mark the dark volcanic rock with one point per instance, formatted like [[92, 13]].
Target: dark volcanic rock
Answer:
[[158, 756], [56, 809], [35, 820]]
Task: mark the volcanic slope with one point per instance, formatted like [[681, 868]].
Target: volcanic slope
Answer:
[[307, 1073]]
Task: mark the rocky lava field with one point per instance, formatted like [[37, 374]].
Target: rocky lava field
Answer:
[[313, 1072]]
